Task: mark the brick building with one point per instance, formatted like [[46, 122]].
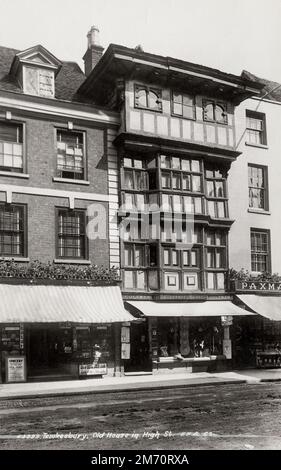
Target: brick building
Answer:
[[61, 306]]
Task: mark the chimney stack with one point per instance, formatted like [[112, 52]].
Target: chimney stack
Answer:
[[94, 51]]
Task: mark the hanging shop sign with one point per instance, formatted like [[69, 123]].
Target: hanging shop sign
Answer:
[[15, 369], [257, 286], [92, 369], [125, 350], [226, 320]]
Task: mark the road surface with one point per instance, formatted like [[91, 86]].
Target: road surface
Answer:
[[237, 416]]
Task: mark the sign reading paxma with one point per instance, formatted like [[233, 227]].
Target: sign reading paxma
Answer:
[[264, 286]]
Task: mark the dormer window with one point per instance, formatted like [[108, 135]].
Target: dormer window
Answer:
[[35, 70], [39, 82]]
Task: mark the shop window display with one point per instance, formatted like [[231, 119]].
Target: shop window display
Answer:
[[184, 338]]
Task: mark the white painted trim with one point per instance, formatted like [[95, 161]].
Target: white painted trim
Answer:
[[14, 174], [56, 110], [69, 180], [71, 261], [9, 189], [17, 259]]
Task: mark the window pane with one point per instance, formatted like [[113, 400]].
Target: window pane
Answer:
[[220, 280], [177, 207], [166, 180], [197, 205], [129, 201], [211, 258], [210, 281], [140, 202], [153, 100], [185, 258], [138, 163], [176, 181], [177, 109], [128, 162], [185, 165], [195, 164], [140, 279], [175, 258], [164, 161], [186, 182], [220, 113], [196, 183], [128, 279], [221, 210], [166, 203], [128, 255], [177, 97], [139, 256], [140, 179], [210, 189], [128, 179], [211, 208], [219, 189], [175, 163], [209, 112], [142, 98]]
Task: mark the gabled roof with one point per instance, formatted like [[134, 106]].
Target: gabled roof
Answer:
[[36, 54], [68, 79], [270, 91]]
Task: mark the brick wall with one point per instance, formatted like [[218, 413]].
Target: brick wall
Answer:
[[42, 228], [40, 147]]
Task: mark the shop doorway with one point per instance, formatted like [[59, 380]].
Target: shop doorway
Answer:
[[140, 360], [45, 352]]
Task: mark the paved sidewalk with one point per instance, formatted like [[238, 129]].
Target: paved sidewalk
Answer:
[[134, 383]]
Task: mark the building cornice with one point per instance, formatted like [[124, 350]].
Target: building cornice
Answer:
[[57, 108]]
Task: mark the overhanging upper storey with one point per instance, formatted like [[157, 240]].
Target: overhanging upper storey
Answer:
[[135, 64]]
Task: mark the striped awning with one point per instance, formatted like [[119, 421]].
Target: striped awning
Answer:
[[187, 309], [53, 304], [265, 305]]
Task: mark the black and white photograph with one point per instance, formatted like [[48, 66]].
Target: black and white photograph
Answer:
[[140, 222]]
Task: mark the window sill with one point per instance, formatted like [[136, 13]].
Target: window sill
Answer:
[[72, 261], [149, 109], [14, 174], [261, 146], [71, 181], [17, 259], [259, 211]]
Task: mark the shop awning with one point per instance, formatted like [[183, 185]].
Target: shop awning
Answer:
[[187, 309], [265, 305], [53, 304]]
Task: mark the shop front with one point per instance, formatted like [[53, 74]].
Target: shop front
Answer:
[[54, 332], [188, 336], [258, 338]]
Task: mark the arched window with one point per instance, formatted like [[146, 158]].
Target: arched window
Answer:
[[146, 97], [214, 112]]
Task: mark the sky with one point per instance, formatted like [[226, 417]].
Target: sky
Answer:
[[230, 35]]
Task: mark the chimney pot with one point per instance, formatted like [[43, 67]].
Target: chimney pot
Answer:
[[94, 50]]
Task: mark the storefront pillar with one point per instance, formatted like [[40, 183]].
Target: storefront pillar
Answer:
[[227, 346], [119, 365]]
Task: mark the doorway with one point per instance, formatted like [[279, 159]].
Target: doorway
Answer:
[[140, 360], [45, 352]]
